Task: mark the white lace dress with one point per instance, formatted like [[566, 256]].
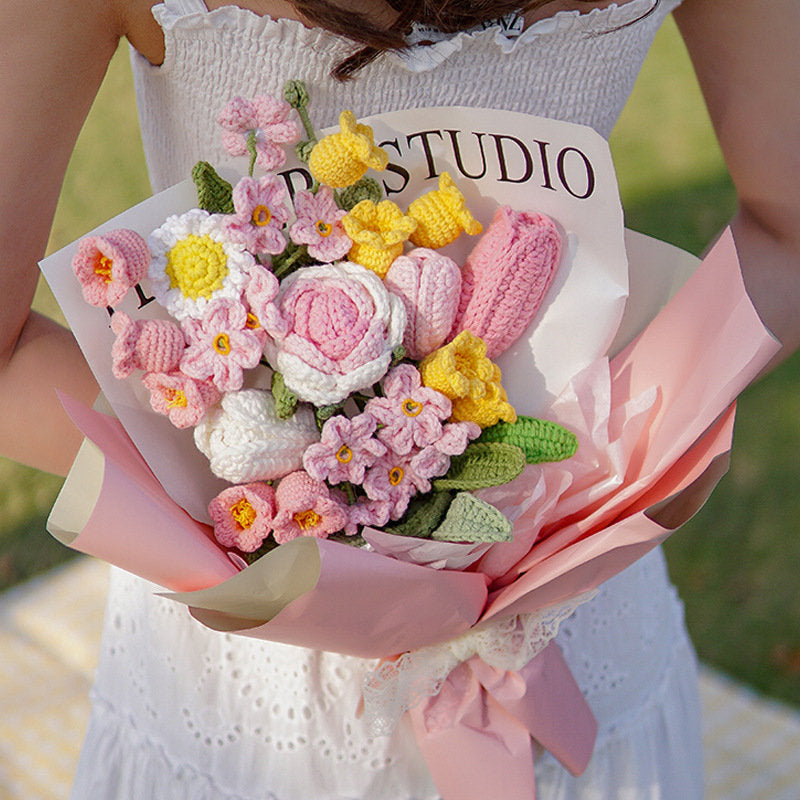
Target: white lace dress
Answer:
[[183, 713]]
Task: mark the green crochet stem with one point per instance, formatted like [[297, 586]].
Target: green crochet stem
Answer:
[[251, 148], [214, 194], [292, 258], [482, 464], [295, 93], [285, 399], [540, 439]]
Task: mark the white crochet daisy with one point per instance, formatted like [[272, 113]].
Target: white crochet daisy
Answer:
[[194, 262]]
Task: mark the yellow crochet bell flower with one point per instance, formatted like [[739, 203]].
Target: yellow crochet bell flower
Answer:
[[461, 371], [378, 231], [441, 215], [342, 158]]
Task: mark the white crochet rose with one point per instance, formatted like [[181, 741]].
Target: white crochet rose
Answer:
[[343, 325], [244, 440]]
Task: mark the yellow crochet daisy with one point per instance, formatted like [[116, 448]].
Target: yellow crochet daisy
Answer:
[[442, 215], [340, 159], [461, 371], [378, 231]]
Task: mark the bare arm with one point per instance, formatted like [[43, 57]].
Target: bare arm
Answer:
[[53, 56], [747, 57]]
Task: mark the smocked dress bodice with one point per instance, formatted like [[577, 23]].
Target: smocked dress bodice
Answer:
[[182, 712]]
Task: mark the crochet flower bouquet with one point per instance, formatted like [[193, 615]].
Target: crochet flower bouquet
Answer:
[[401, 403]]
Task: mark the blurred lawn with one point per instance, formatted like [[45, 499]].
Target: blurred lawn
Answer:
[[736, 564]]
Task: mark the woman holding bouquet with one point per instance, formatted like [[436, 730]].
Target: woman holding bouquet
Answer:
[[182, 712]]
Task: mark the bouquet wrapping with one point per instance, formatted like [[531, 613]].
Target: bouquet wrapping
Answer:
[[463, 626]]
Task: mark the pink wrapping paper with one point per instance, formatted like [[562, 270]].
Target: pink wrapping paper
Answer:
[[650, 424]]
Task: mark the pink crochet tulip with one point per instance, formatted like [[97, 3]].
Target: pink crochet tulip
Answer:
[[154, 345], [260, 215], [107, 266], [429, 284], [411, 414], [269, 119], [179, 397], [346, 448], [242, 515], [221, 346], [319, 225], [306, 508], [506, 277]]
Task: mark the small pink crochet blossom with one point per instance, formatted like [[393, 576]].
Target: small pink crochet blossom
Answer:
[[221, 346], [260, 215], [412, 414], [260, 294], [265, 116], [242, 515], [179, 397], [154, 345], [396, 479], [346, 448], [306, 508], [319, 225], [367, 513], [107, 266]]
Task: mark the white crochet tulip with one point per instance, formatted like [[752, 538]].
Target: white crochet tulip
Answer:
[[244, 440]]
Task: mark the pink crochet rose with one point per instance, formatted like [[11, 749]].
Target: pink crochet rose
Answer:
[[306, 508], [221, 346], [154, 345], [346, 448], [179, 397], [342, 326], [242, 515], [107, 266], [412, 415], [260, 215], [319, 225], [268, 119]]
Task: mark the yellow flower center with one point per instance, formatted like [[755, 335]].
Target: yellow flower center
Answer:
[[222, 344], [252, 321], [176, 398], [396, 475], [261, 216], [197, 266], [344, 455], [307, 519], [411, 408], [102, 267], [323, 228], [243, 514]]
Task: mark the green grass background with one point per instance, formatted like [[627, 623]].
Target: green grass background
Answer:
[[736, 564]]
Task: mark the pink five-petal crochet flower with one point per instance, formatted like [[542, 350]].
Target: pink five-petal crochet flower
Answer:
[[306, 508], [242, 515], [412, 414], [319, 225], [221, 346], [260, 215], [367, 513], [345, 450], [268, 118], [396, 479], [260, 294], [179, 397], [107, 266], [154, 345]]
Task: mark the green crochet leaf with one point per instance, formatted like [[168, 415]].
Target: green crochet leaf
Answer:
[[292, 258], [364, 189], [285, 399], [214, 194], [470, 519], [482, 464], [424, 514], [540, 439]]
